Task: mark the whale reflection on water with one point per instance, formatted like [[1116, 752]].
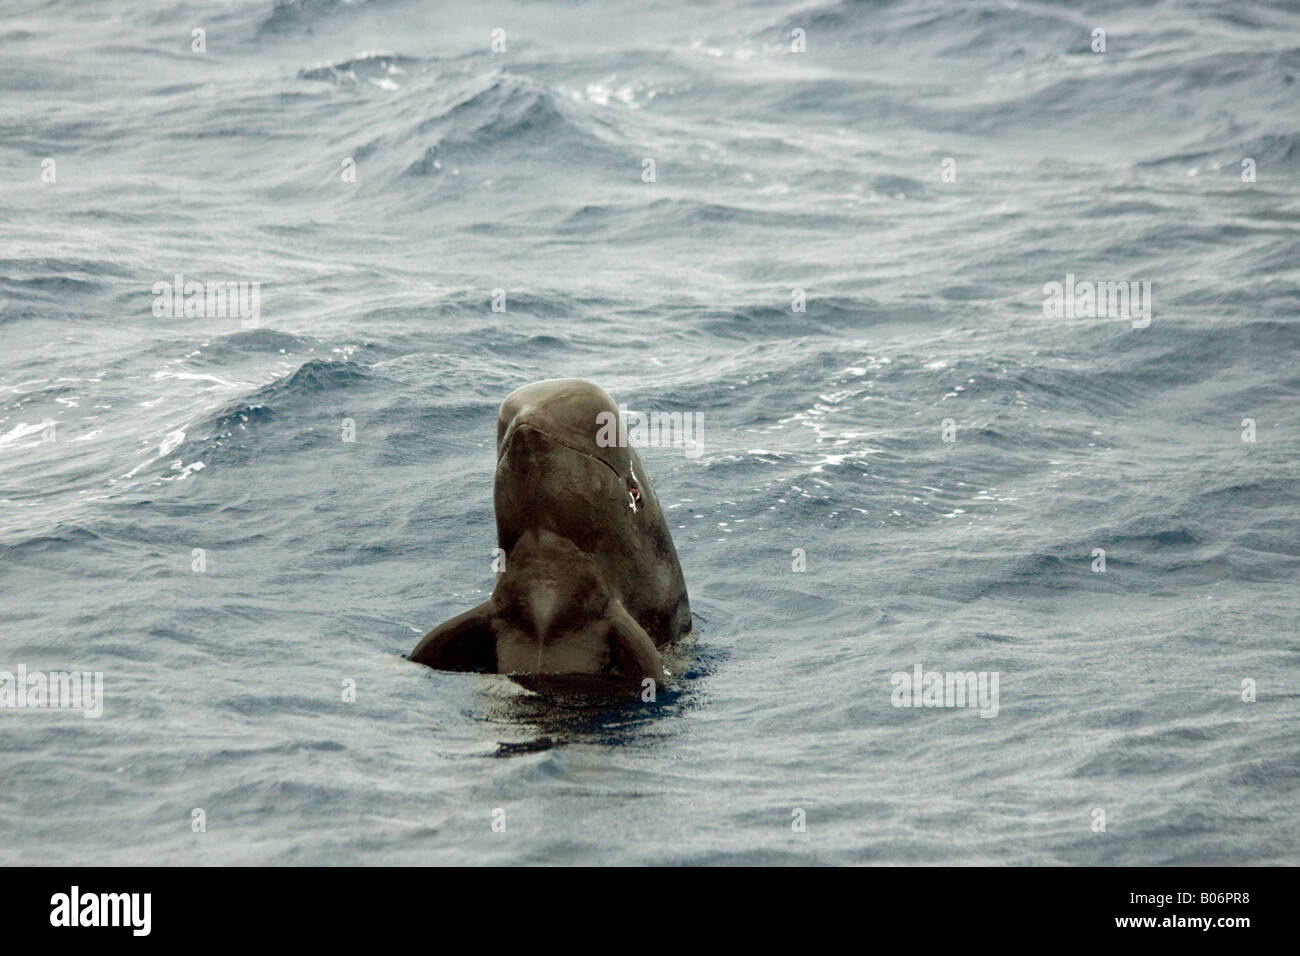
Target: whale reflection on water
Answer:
[[532, 713]]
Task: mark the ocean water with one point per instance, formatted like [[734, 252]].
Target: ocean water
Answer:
[[179, 509]]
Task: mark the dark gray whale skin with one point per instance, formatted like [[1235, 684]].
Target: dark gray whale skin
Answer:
[[592, 584]]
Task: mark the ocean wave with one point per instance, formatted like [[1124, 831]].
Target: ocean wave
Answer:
[[1272, 153], [302, 16], [379, 69], [506, 110], [255, 341], [228, 435]]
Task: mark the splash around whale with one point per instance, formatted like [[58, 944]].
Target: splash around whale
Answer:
[[591, 583]]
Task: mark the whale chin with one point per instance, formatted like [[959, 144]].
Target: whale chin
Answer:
[[502, 639]]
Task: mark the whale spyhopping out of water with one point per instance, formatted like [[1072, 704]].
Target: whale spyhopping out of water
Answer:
[[591, 583]]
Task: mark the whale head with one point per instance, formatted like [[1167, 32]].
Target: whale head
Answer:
[[561, 468], [591, 582]]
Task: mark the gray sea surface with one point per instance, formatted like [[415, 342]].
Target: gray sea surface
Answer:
[[179, 509]]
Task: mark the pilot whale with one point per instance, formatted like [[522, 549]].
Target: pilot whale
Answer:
[[591, 583]]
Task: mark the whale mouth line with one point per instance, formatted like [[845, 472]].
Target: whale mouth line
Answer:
[[542, 431]]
